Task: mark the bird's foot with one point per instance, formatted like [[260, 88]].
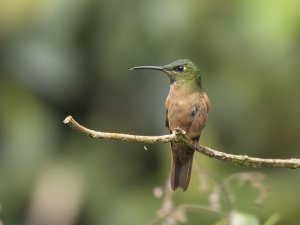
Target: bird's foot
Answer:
[[178, 130], [196, 145]]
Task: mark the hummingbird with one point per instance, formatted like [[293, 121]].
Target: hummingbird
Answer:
[[187, 107]]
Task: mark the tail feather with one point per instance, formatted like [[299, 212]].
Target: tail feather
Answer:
[[181, 166]]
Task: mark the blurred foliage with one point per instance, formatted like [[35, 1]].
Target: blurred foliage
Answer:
[[72, 57]]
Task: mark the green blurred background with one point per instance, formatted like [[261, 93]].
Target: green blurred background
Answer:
[[61, 57]]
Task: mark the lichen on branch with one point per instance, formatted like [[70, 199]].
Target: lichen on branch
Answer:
[[180, 136]]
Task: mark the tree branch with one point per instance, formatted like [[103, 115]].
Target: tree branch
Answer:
[[180, 136]]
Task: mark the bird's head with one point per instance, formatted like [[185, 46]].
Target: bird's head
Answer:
[[181, 70]]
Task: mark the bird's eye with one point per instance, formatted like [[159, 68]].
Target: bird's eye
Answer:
[[180, 68]]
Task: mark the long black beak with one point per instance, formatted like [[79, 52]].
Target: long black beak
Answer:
[[147, 68]]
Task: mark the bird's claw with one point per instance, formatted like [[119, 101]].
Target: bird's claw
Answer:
[[178, 130], [196, 145]]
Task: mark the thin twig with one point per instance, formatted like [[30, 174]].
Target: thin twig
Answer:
[[180, 136], [198, 208]]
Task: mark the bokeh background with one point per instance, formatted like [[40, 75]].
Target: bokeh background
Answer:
[[71, 57]]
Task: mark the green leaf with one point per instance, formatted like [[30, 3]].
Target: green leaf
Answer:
[[239, 218], [272, 219]]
